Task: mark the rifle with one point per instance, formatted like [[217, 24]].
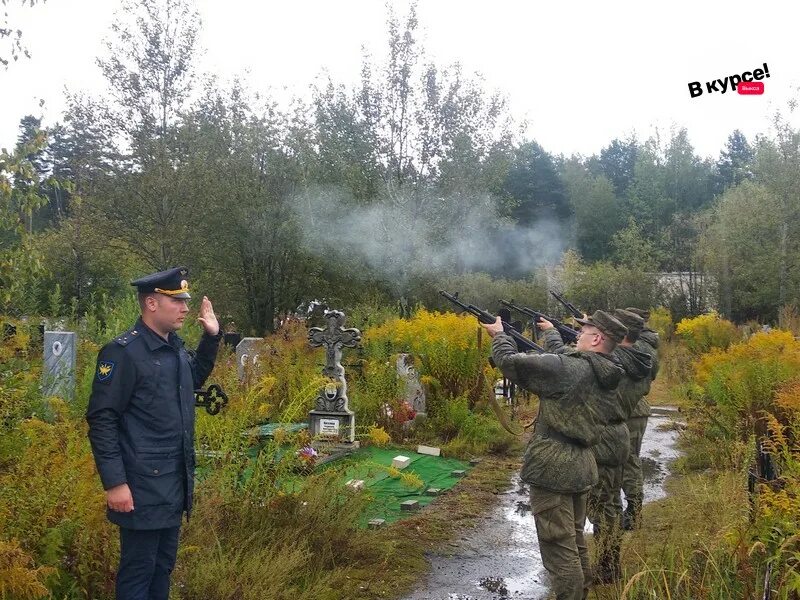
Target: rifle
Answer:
[[523, 343], [568, 334], [568, 305]]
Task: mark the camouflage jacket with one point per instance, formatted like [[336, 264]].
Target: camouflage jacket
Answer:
[[570, 387], [647, 343], [614, 444], [636, 384]]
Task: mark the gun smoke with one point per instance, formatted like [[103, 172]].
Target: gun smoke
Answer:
[[404, 234]]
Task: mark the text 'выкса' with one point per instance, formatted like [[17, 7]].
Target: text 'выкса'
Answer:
[[730, 82]]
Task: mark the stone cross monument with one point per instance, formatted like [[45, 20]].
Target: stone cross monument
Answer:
[[331, 416]]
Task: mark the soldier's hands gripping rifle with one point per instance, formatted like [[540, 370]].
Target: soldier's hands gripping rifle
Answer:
[[523, 343], [212, 399], [571, 308], [568, 334]]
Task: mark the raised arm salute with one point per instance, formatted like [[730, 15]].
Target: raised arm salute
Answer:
[[141, 427]]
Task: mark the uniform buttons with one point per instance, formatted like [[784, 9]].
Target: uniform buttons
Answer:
[[155, 471]]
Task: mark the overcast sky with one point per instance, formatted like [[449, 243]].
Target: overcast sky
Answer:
[[581, 72]]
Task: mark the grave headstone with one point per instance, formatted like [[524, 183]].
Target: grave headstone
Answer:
[[376, 523], [331, 417], [413, 393], [232, 339], [247, 355], [58, 376]]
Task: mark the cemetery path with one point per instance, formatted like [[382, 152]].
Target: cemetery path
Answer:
[[499, 559]]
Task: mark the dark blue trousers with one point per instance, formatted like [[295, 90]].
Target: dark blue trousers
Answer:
[[146, 561]]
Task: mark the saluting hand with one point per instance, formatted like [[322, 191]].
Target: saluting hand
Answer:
[[207, 317]]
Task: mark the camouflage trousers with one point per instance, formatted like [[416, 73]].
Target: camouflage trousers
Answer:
[[560, 519], [605, 512], [632, 479]]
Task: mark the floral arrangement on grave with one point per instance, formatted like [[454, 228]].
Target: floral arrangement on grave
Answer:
[[402, 414], [308, 457]]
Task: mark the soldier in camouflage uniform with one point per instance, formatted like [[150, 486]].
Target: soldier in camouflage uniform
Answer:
[[558, 462], [604, 507], [632, 479]]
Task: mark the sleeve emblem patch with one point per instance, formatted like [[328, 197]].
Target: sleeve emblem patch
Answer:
[[105, 369]]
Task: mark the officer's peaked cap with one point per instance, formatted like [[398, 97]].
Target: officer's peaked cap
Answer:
[[172, 282]]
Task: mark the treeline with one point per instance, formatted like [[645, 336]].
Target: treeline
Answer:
[[374, 190]]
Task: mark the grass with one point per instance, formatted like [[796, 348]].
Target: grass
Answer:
[[429, 531], [434, 527], [305, 547], [684, 540]]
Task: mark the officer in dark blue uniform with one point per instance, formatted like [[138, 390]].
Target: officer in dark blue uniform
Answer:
[[141, 427]]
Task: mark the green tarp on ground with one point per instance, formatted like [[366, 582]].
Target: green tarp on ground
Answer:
[[268, 429], [372, 466]]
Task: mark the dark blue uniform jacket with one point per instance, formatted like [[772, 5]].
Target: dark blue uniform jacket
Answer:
[[141, 422]]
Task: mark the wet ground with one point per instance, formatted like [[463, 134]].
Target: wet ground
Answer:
[[499, 558]]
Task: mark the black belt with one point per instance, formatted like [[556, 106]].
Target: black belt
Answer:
[[548, 432]]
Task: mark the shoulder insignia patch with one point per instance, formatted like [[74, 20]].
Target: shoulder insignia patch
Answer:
[[126, 338], [105, 369]]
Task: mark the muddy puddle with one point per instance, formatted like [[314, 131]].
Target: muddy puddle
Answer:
[[499, 558]]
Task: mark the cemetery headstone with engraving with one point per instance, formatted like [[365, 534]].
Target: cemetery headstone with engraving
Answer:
[[247, 355], [58, 376], [331, 416], [414, 393]]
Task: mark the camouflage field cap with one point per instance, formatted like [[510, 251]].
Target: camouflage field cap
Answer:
[[607, 324], [645, 314], [630, 319]]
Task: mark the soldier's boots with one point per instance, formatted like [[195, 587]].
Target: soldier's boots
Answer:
[[609, 567], [632, 516]]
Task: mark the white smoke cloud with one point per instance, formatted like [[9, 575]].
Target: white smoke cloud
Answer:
[[410, 233]]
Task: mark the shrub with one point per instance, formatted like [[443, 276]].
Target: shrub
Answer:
[[602, 285], [789, 319], [446, 345], [661, 321], [705, 332], [20, 579], [737, 386], [485, 291], [51, 501]]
